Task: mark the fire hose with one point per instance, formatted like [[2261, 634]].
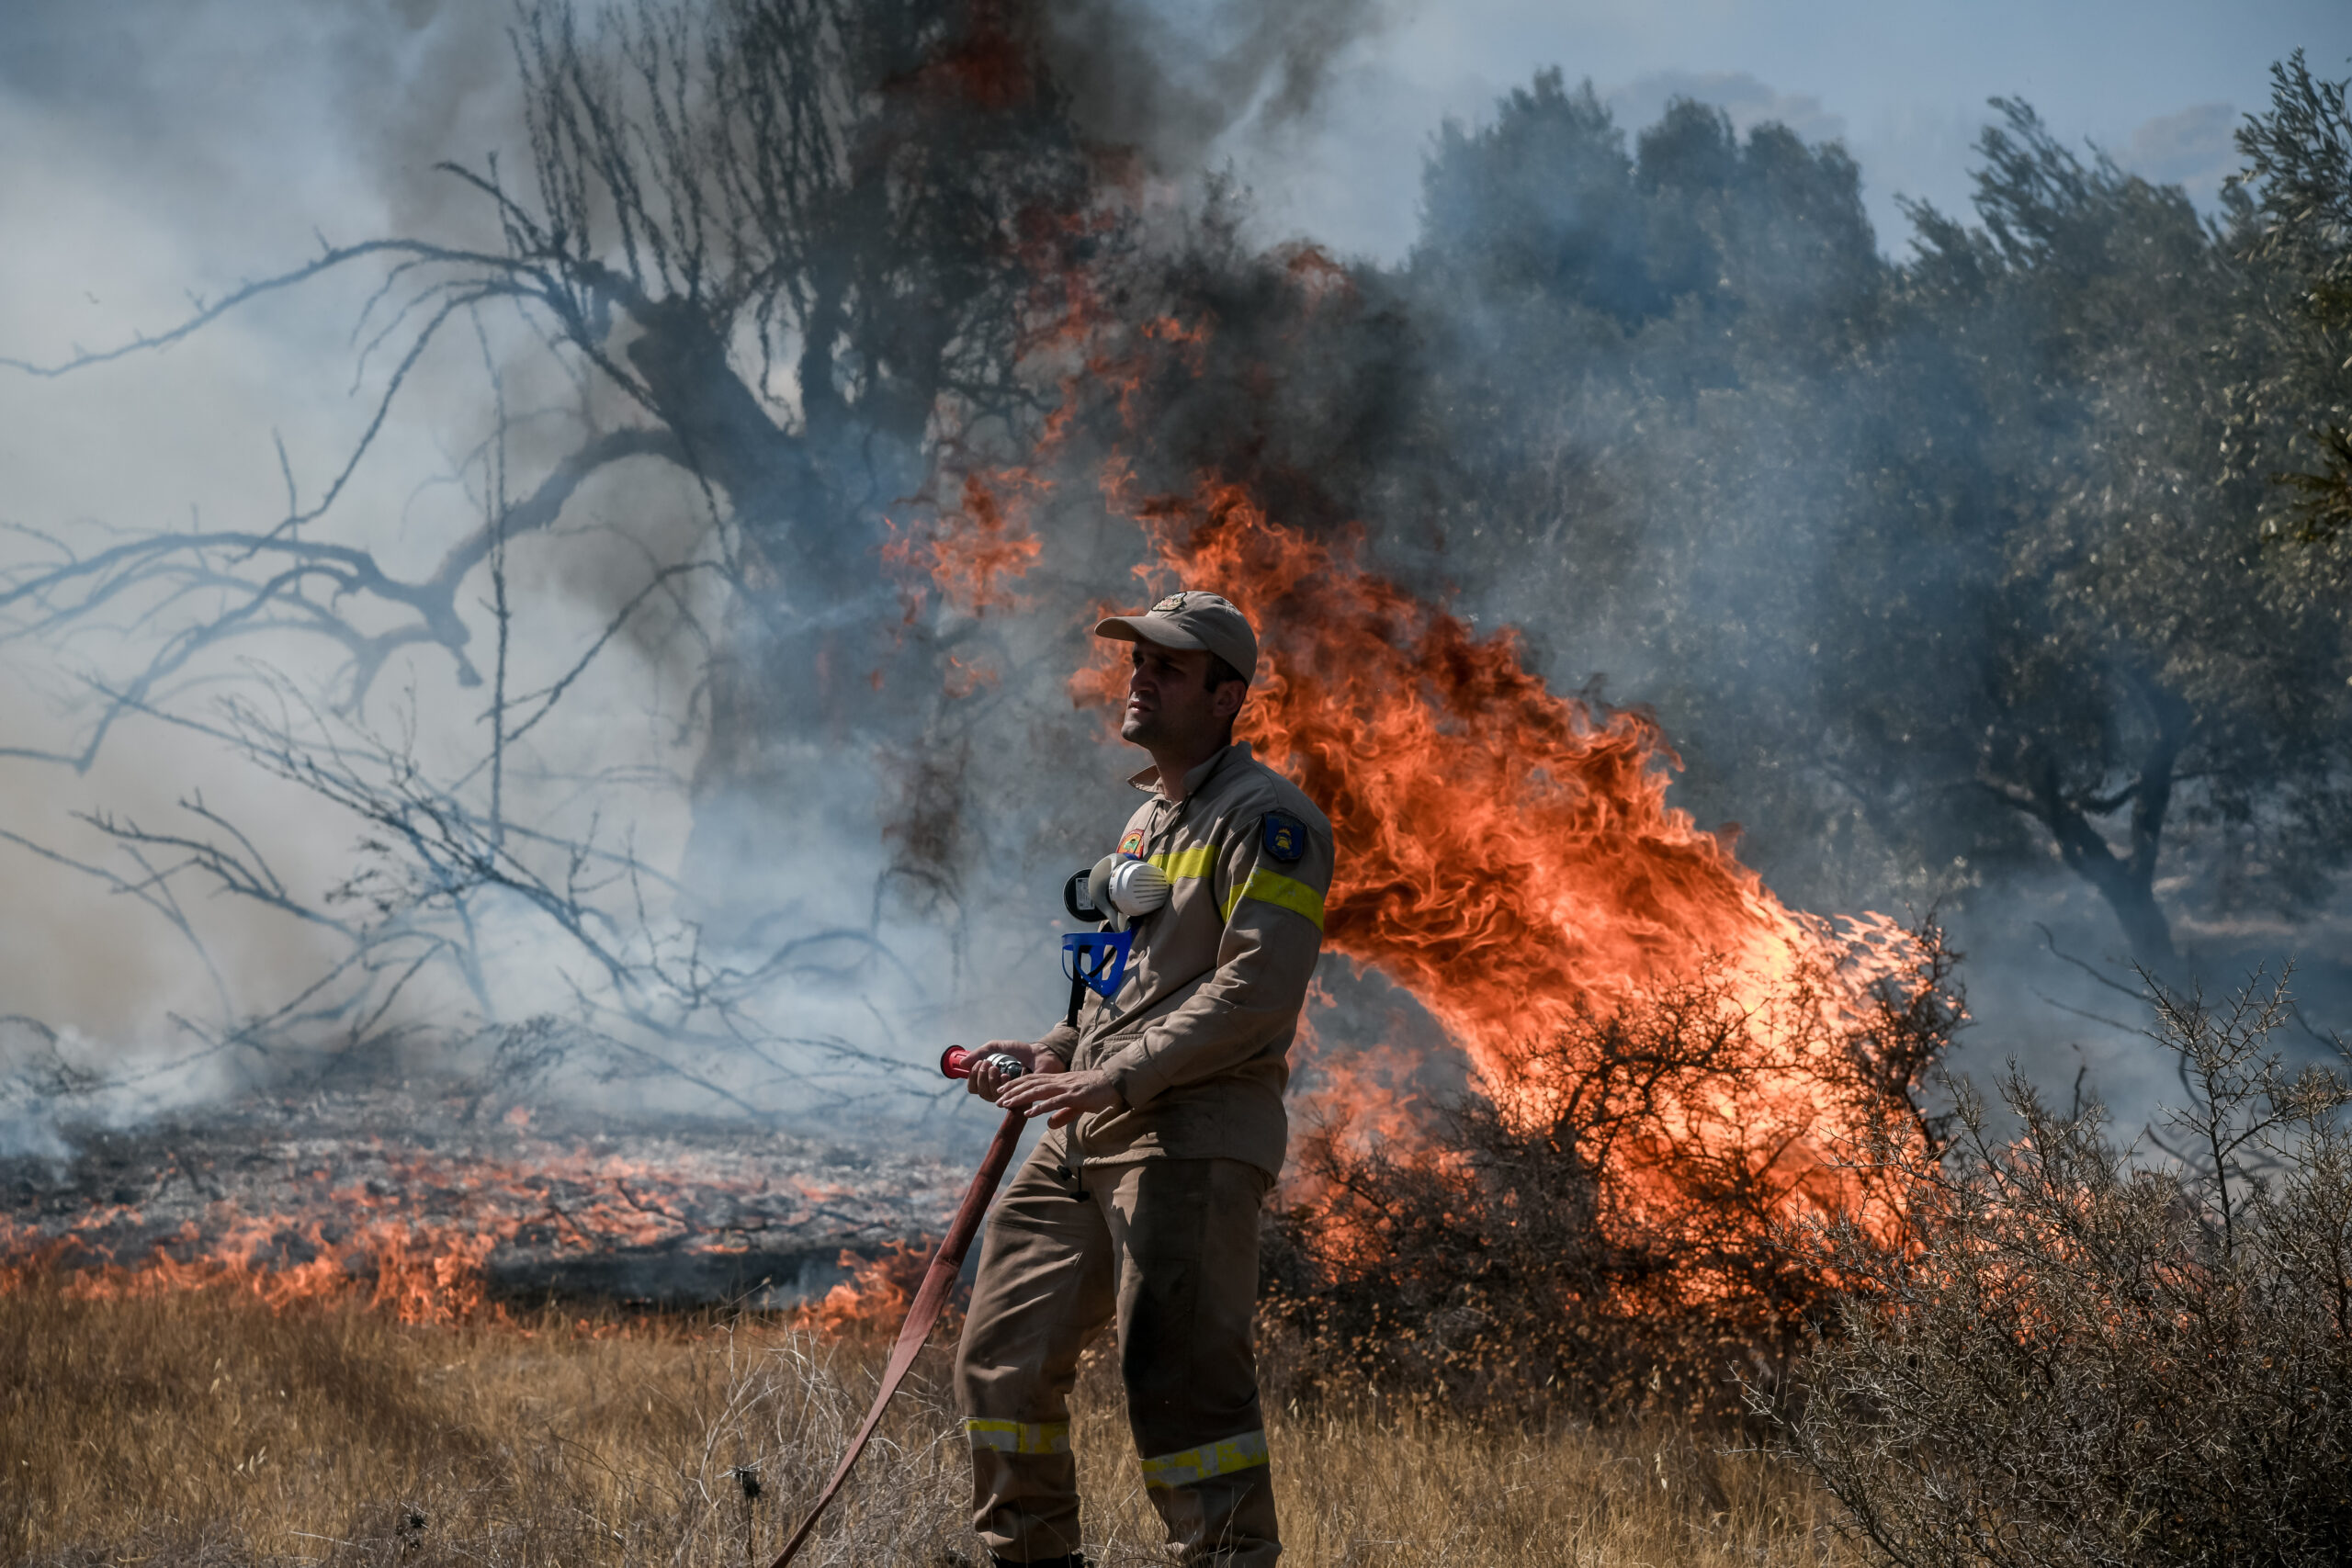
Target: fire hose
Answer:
[[1115, 890], [938, 1279]]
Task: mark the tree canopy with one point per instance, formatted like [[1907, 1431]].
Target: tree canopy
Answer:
[[1931, 566]]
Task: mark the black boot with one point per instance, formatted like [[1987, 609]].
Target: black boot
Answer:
[[1073, 1560]]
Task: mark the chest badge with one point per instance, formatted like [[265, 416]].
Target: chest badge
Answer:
[[1285, 840], [1132, 845]]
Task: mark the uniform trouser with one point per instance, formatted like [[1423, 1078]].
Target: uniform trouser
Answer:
[[1167, 1250]]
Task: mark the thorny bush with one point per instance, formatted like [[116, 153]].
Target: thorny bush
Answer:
[[2083, 1353], [1596, 1235]]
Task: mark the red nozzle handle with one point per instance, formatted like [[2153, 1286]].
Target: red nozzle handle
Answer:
[[957, 1062]]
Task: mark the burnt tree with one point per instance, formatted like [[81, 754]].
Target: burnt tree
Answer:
[[795, 249], [798, 252]]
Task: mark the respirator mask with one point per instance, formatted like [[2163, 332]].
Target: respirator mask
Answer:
[[1117, 889]]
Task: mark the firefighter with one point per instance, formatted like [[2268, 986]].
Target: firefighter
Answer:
[[1139, 1205]]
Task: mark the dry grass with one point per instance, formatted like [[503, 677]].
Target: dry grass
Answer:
[[202, 1427]]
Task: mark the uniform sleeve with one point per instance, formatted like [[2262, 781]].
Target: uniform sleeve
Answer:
[[1274, 932], [1062, 1040]]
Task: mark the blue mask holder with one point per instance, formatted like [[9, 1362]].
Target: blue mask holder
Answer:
[[1097, 960], [1094, 961]]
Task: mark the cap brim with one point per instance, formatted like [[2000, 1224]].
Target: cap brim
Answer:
[[1157, 630]]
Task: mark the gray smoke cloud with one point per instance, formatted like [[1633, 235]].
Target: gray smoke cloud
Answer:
[[1173, 78], [1748, 101], [176, 151], [246, 124], [172, 151], [2193, 149], [178, 147], [1598, 530]]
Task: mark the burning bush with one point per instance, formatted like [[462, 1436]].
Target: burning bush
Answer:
[[2077, 1356], [873, 1302], [1597, 1231]]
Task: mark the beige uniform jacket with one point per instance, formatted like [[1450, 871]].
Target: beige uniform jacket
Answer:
[[1198, 1039]]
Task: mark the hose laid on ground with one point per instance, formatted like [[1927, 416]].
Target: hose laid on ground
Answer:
[[937, 1281]]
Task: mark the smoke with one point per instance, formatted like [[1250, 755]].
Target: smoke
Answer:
[[2193, 148], [1748, 102], [1171, 80], [1624, 398], [188, 148], [176, 151], [899, 892], [219, 115], [1702, 523]]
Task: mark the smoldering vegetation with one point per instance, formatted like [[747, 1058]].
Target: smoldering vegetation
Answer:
[[2045, 1344]]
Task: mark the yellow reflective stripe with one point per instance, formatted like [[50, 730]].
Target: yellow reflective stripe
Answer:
[[1195, 861], [1283, 892], [1206, 1463], [1018, 1436]]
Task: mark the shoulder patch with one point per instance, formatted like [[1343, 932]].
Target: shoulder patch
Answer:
[[1285, 836], [1132, 845]]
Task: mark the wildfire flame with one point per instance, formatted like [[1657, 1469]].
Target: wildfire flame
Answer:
[[876, 1295], [1506, 853], [418, 1271], [415, 1236], [975, 553]]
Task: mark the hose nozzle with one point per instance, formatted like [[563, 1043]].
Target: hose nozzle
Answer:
[[957, 1062]]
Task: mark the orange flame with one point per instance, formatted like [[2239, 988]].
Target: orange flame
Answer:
[[972, 554], [876, 1295], [415, 1244], [416, 1270], [1505, 853]]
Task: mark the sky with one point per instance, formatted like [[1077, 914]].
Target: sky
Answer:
[[227, 131], [2157, 84]]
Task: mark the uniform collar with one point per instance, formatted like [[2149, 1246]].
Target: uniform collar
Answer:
[[1149, 778]]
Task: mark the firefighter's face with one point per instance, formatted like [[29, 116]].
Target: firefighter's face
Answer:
[[1169, 704]]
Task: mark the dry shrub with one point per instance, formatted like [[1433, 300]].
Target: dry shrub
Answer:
[[1598, 1236], [2088, 1354]]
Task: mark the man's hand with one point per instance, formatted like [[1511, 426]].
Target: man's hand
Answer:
[[1066, 1094], [987, 1080]]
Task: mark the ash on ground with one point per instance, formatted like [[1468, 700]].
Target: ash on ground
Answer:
[[543, 1205]]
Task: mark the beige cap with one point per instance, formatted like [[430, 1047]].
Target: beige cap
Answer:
[[1190, 618]]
